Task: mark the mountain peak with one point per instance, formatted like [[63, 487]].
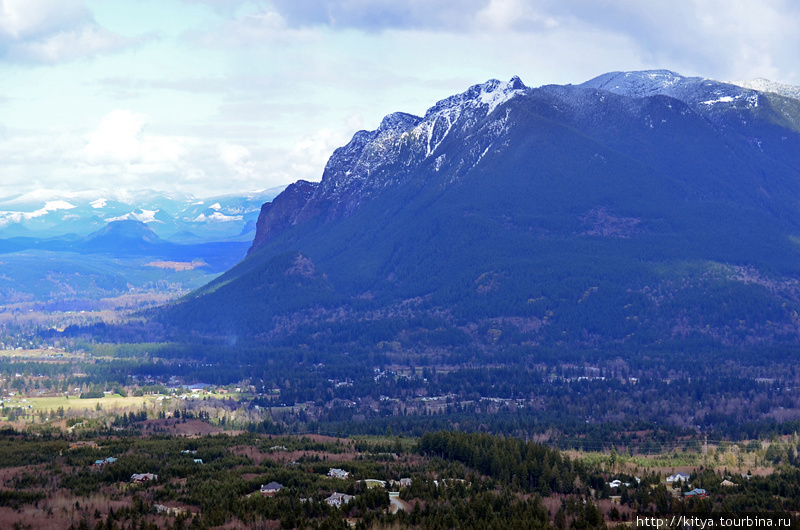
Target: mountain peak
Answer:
[[125, 229], [398, 122], [639, 83], [705, 96], [490, 94]]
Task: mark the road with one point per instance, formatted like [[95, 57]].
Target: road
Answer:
[[397, 502]]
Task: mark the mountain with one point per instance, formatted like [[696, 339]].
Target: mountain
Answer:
[[47, 213], [636, 210], [123, 257], [121, 237]]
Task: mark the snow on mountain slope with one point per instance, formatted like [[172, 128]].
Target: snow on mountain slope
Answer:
[[765, 85], [694, 91], [48, 213], [375, 159]]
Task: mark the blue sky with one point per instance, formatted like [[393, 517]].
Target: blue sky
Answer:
[[217, 96]]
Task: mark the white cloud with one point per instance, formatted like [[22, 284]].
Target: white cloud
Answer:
[[263, 26], [237, 159], [310, 153], [24, 19], [53, 31], [118, 139], [504, 15], [69, 45], [715, 38], [378, 15]]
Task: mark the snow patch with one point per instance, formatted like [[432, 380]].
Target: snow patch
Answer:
[[765, 85], [496, 95], [144, 216], [7, 218], [217, 217], [51, 206], [723, 99]]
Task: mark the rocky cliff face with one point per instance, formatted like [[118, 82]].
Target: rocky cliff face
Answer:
[[281, 213], [375, 160], [457, 133]]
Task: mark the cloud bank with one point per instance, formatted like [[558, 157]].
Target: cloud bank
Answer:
[[53, 31]]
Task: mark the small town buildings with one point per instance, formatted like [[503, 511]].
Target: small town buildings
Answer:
[[338, 499], [269, 490]]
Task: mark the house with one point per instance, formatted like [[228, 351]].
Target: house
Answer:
[[143, 477], [168, 510], [338, 499], [104, 461], [405, 482], [697, 492], [728, 484], [678, 477], [338, 473], [198, 460], [268, 490]]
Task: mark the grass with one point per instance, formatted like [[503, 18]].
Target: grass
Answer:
[[408, 443], [113, 401], [39, 353], [109, 402]]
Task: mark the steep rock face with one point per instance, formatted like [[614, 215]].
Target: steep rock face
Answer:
[[402, 144], [280, 214]]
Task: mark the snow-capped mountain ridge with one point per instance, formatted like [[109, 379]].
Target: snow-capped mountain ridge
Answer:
[[460, 132], [693, 91], [47, 213], [403, 140]]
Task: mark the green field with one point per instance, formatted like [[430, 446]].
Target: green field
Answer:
[[109, 402], [41, 355]]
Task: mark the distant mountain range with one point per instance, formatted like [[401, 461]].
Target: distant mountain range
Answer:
[[179, 218], [121, 258], [636, 210]]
